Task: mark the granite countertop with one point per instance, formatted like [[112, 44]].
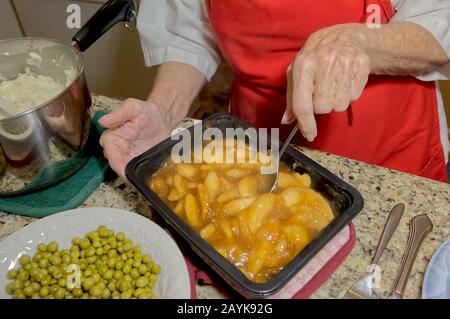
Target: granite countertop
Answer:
[[381, 189]]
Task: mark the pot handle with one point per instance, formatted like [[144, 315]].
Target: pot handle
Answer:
[[111, 13]]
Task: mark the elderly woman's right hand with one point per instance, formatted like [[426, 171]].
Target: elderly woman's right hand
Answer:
[[132, 129]]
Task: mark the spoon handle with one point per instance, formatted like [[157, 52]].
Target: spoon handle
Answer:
[[419, 228], [288, 140]]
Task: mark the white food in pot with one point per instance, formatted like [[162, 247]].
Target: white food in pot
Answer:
[[29, 89]]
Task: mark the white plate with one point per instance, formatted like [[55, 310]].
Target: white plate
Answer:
[[173, 281], [436, 283]]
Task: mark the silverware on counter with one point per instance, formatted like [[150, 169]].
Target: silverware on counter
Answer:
[[420, 226], [362, 289]]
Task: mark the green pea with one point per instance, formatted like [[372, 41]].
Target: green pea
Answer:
[[110, 233], [28, 291], [106, 294], [44, 280], [118, 265], [85, 243], [34, 265], [47, 255], [42, 247], [87, 283], [96, 277], [52, 246], [137, 264], [156, 269], [83, 264], [90, 252], [128, 278], [64, 252], [57, 275], [88, 272], [36, 287], [125, 295], [56, 260], [96, 244], [27, 267], [85, 296], [12, 274], [77, 292], [35, 296], [9, 288], [123, 285], [118, 275], [120, 236], [127, 246], [43, 263], [66, 259], [108, 274], [37, 257], [76, 241], [111, 286], [124, 257], [146, 295], [153, 278], [143, 269], [93, 235], [23, 275], [75, 254], [18, 294], [134, 273], [99, 251], [107, 247], [137, 292], [62, 282], [141, 282], [44, 292], [126, 268], [59, 293], [91, 259], [115, 295], [68, 296], [96, 291], [24, 259]]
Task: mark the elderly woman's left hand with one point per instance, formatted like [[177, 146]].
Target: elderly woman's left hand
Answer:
[[329, 72]]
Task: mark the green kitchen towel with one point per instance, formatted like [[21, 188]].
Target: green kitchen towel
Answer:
[[69, 193]]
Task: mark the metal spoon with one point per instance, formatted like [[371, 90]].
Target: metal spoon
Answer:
[[273, 178]]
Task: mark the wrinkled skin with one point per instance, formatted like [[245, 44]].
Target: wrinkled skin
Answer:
[[326, 75], [133, 128]]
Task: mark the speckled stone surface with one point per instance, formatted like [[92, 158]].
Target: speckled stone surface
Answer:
[[381, 189]]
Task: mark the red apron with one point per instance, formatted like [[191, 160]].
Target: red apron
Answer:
[[394, 124]]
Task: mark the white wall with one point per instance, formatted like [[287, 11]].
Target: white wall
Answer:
[[9, 27]]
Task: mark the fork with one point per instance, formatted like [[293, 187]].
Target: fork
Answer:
[[362, 289]]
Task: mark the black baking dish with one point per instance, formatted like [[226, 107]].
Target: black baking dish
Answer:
[[346, 202]]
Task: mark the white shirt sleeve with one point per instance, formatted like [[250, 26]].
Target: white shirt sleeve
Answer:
[[178, 30], [433, 15]]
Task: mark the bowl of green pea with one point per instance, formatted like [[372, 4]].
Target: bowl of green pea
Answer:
[[92, 253]]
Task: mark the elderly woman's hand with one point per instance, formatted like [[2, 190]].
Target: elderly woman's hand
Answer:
[[329, 72], [133, 128], [333, 67]]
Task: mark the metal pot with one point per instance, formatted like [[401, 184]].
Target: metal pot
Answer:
[[54, 130]]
